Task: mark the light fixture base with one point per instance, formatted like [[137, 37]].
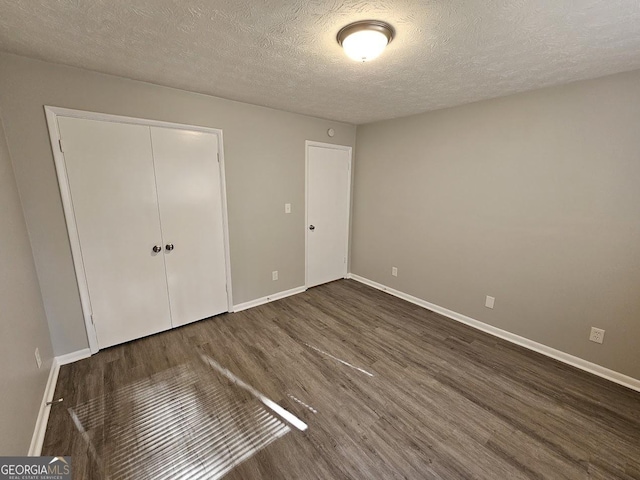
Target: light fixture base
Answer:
[[371, 25]]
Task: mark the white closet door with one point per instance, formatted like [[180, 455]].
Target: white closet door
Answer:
[[188, 180], [328, 181], [110, 171]]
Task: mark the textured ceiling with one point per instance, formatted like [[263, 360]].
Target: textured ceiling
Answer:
[[283, 53]]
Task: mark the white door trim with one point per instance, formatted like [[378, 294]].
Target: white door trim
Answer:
[[310, 143], [52, 114]]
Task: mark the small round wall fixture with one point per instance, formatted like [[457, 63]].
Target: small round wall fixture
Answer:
[[365, 40]]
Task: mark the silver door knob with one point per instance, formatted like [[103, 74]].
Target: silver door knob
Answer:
[[312, 227], [157, 249], [169, 247]]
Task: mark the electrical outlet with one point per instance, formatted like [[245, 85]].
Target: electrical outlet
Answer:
[[287, 208], [489, 302], [597, 335], [394, 271], [38, 359], [274, 275]]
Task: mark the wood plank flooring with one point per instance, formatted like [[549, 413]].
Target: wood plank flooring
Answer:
[[388, 390]]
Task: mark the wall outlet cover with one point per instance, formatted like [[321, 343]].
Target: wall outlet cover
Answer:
[[394, 271], [38, 359], [596, 335], [274, 275], [490, 301]]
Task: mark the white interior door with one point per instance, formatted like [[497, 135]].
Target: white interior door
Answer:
[[111, 178], [189, 195], [328, 187]]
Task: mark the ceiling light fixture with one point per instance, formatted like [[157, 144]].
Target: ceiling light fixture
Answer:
[[365, 40]]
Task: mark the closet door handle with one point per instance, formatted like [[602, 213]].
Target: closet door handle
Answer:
[[157, 249], [169, 247]]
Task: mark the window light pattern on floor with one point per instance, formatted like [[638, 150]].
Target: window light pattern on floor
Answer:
[[177, 424]]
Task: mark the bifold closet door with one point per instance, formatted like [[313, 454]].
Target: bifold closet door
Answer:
[[190, 200], [110, 171]]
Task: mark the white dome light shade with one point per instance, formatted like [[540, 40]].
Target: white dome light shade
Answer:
[[364, 45], [366, 40]]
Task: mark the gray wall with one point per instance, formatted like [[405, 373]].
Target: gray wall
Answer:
[[264, 153], [533, 199], [23, 325]]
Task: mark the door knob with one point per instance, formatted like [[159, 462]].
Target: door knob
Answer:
[[312, 227], [169, 247], [157, 249]]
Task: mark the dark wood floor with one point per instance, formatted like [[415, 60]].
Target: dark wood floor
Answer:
[[444, 401]]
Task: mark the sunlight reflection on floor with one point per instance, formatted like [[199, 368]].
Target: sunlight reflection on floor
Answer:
[[179, 424]]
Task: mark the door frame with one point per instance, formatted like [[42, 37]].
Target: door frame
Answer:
[[346, 148], [57, 147]]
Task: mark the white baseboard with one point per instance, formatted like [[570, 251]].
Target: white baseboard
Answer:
[[43, 414], [559, 355], [268, 298], [73, 356]]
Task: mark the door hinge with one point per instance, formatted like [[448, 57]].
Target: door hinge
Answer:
[[218, 155], [92, 322], [60, 145]]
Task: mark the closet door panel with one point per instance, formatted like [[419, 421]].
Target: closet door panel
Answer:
[[189, 196], [111, 177]]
